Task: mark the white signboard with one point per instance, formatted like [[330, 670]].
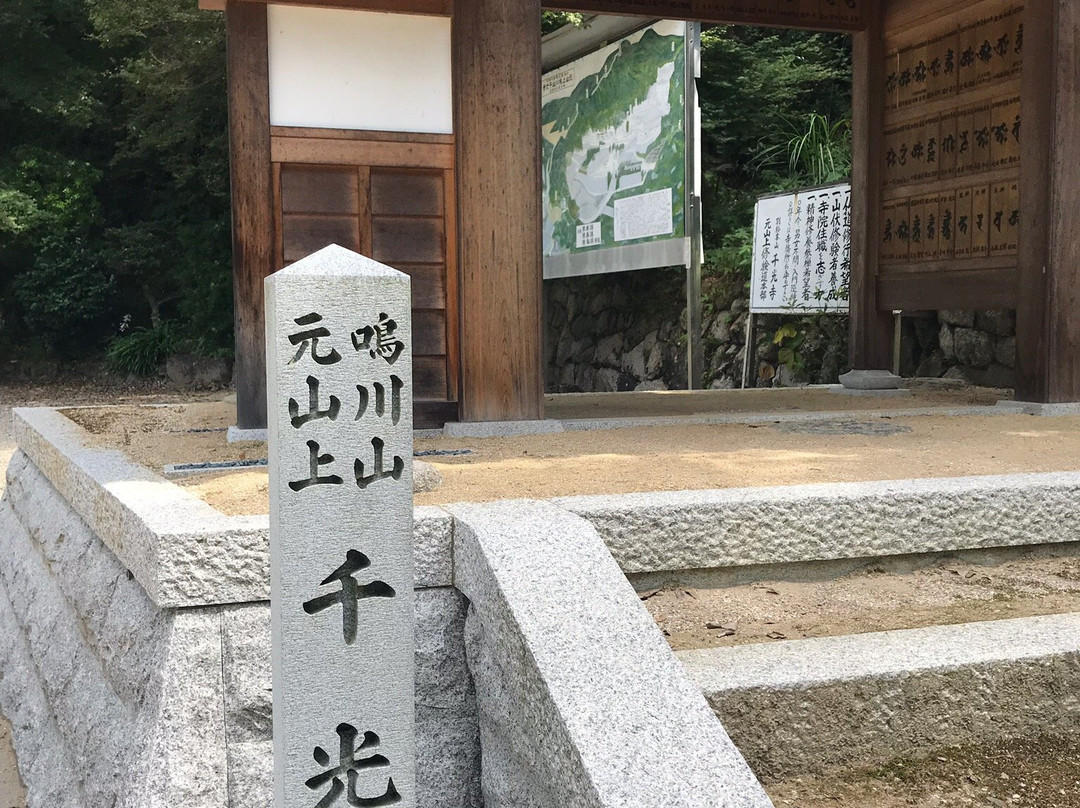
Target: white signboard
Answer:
[[802, 252]]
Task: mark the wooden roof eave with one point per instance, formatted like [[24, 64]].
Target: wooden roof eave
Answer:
[[433, 8]]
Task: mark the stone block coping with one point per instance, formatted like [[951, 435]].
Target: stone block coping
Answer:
[[182, 551], [185, 553], [687, 530], [883, 695]]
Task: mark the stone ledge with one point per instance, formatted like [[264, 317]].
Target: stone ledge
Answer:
[[581, 700], [182, 551], [684, 530], [896, 693]]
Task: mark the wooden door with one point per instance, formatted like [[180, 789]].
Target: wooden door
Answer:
[[402, 216]]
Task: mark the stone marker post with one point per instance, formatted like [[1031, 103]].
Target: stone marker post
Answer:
[[339, 387]]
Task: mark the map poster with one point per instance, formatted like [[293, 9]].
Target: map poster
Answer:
[[615, 156], [802, 252]]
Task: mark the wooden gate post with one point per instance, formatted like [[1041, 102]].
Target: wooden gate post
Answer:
[[496, 69]]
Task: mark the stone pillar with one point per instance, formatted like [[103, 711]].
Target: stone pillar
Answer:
[[339, 405]]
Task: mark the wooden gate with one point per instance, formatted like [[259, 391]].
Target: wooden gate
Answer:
[[389, 196]]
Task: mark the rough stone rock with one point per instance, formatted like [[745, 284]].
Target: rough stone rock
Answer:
[[720, 328], [651, 385], [959, 374], [739, 305], [999, 322], [425, 477], [582, 351], [960, 317], [926, 333], [564, 348], [973, 348], [583, 380], [633, 361], [581, 326], [654, 362], [932, 366], [945, 340], [900, 693], [722, 383], [606, 380], [608, 351], [998, 376], [785, 377], [565, 720], [208, 371], [1005, 352], [180, 370]]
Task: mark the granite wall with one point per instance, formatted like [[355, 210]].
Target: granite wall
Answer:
[[114, 701]]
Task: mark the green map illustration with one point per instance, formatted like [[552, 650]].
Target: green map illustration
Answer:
[[613, 129]]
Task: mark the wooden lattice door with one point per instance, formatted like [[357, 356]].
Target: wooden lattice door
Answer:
[[402, 216]]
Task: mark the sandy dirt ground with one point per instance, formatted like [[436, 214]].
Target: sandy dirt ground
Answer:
[[656, 458], [1042, 773], [950, 590]]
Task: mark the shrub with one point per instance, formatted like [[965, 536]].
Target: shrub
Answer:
[[142, 350]]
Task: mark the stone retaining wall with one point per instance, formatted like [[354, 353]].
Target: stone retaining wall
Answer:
[[627, 331], [115, 701], [870, 698]]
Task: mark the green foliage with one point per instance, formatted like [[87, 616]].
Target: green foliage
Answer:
[[65, 300], [113, 146], [818, 154], [554, 20], [789, 340], [142, 350]]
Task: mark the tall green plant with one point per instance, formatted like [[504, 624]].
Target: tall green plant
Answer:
[[817, 152]]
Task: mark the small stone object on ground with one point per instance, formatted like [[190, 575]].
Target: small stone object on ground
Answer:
[[425, 477], [870, 380]]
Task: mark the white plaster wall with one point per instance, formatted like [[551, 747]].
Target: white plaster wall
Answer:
[[349, 69]]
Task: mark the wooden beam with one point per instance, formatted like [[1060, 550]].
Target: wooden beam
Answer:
[[432, 8], [338, 151], [496, 59], [951, 289], [1048, 310], [252, 201], [820, 15], [870, 329]]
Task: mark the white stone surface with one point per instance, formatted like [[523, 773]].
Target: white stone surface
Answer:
[[149, 707], [499, 429], [802, 706], [425, 477], [339, 422], [204, 558], [182, 551], [237, 435], [581, 701], [1036, 408], [684, 530], [870, 380], [122, 699]]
